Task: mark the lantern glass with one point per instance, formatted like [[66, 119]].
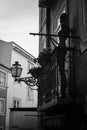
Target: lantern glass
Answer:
[[16, 70]]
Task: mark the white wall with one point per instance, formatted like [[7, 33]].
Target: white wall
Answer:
[[18, 90]]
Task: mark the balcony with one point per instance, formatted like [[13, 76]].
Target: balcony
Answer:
[[45, 3], [49, 91]]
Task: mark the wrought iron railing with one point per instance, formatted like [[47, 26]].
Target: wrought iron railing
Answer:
[[50, 80]]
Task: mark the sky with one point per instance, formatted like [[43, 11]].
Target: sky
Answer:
[[18, 18]]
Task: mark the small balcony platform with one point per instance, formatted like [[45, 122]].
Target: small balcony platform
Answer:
[[45, 3]]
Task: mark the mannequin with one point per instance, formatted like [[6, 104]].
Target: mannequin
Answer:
[[63, 35]]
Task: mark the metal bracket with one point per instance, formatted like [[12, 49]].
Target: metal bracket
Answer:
[[30, 81]]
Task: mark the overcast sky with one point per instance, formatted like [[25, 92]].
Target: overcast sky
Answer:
[[18, 18]]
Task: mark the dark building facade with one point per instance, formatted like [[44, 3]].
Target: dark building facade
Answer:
[[55, 110]]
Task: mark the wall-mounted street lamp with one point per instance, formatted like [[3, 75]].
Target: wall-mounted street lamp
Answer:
[[16, 71]]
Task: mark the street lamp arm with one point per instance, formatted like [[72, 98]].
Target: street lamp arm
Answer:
[[30, 81]]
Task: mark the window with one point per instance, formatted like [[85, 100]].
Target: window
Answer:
[[16, 102], [42, 17], [83, 44], [2, 106], [30, 65], [84, 4], [29, 94], [2, 79]]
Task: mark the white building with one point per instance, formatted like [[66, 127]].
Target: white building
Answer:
[[18, 95]]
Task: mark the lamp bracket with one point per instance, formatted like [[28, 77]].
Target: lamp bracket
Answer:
[[29, 81]]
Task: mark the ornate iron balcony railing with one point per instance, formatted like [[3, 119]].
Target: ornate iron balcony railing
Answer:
[[49, 83]]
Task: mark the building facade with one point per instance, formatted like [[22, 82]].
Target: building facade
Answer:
[[18, 95], [23, 118], [55, 111], [3, 94]]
